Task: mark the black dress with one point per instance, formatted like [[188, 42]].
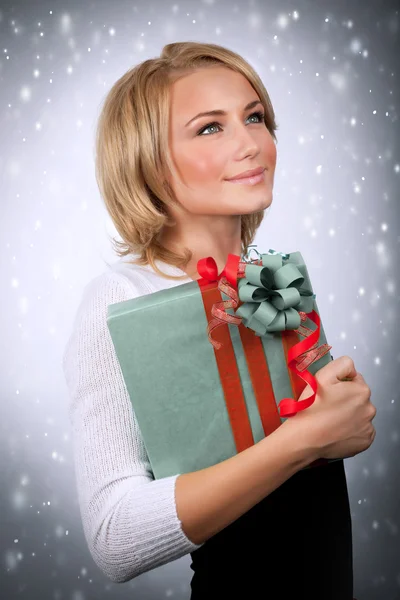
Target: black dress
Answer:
[[296, 543]]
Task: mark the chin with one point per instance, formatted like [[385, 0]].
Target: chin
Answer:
[[252, 207]]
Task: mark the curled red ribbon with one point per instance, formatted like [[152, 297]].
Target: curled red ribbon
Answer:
[[208, 269], [300, 355]]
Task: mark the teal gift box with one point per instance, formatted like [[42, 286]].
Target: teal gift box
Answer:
[[173, 374]]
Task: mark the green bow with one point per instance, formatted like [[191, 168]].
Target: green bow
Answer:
[[272, 295]]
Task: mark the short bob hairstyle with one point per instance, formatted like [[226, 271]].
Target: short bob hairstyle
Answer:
[[133, 163]]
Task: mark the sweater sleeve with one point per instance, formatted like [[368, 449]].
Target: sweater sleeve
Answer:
[[129, 519]]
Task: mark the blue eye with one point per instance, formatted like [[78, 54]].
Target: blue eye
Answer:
[[258, 114]]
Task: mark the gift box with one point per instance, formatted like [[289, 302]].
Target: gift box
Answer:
[[214, 365]]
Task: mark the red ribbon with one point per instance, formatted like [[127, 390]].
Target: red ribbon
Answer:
[[302, 354], [208, 269]]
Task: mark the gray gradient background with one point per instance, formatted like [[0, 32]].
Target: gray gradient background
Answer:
[[332, 71]]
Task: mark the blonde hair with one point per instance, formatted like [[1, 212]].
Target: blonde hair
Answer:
[[133, 163]]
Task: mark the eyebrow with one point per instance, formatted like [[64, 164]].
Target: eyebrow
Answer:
[[222, 112]]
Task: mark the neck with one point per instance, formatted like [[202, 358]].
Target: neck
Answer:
[[217, 238]]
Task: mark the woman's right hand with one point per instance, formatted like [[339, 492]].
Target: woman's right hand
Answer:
[[339, 422]]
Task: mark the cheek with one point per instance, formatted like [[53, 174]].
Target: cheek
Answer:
[[202, 166], [270, 152]]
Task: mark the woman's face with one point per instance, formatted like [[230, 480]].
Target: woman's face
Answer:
[[237, 142]]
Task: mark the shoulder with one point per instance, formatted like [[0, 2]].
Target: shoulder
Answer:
[[119, 282], [109, 287]]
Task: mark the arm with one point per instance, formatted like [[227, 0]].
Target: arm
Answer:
[[129, 519], [230, 488]]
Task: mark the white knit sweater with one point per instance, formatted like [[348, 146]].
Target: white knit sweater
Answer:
[[129, 519]]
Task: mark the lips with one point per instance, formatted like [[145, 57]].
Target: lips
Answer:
[[250, 173]]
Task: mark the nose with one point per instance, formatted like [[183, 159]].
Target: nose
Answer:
[[246, 140]]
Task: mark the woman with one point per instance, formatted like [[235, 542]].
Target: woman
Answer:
[[259, 523]]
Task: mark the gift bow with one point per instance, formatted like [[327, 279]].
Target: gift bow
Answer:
[[272, 296], [273, 300]]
